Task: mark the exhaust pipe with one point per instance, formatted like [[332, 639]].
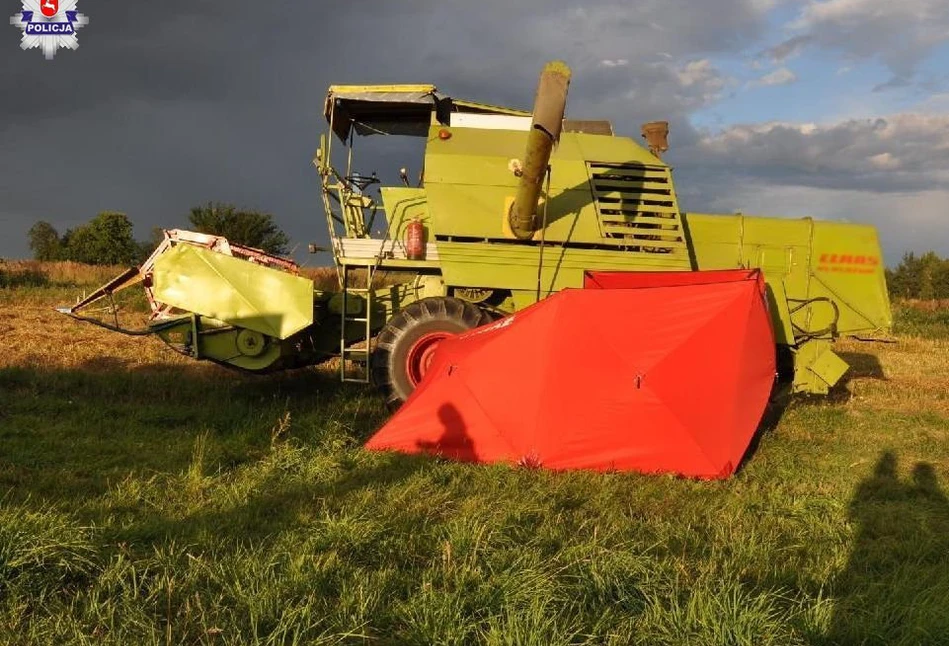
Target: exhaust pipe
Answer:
[[550, 104], [656, 134]]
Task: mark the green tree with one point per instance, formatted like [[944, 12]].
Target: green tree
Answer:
[[925, 277], [107, 239], [904, 279], [44, 241], [941, 279], [249, 228], [929, 275], [927, 290]]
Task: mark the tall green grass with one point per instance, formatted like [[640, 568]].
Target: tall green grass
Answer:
[[174, 504], [916, 320]]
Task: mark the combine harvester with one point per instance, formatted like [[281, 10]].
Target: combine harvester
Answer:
[[511, 209]]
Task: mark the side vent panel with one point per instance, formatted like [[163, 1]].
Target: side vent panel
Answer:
[[637, 207]]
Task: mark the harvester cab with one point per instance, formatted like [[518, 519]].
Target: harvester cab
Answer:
[[509, 207]]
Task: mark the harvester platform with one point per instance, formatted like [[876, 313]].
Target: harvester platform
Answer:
[[381, 253]]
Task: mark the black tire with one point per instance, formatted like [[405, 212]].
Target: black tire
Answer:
[[420, 320]]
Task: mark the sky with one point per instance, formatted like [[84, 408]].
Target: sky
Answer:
[[834, 109]]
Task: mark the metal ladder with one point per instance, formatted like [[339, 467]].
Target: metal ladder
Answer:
[[357, 355]]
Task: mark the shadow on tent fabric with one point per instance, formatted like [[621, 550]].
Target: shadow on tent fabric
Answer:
[[455, 441], [895, 588]]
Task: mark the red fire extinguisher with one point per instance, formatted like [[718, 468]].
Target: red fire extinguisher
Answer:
[[415, 240]]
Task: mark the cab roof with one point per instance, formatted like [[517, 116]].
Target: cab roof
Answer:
[[396, 109]]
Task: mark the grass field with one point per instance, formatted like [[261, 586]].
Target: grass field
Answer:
[[146, 499]]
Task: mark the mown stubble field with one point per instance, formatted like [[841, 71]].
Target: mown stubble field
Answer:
[[148, 499]]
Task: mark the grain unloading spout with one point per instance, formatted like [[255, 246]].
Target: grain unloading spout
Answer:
[[549, 106]]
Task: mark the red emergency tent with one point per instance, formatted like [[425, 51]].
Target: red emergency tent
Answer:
[[652, 372]]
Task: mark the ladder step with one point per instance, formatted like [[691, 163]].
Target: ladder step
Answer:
[[363, 361], [360, 372]]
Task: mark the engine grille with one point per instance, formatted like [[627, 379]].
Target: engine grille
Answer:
[[637, 206]]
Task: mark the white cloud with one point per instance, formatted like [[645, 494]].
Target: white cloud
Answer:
[[898, 152], [780, 76], [900, 34], [698, 72], [885, 161], [659, 53], [935, 104]]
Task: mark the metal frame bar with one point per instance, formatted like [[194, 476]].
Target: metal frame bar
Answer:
[[543, 229]]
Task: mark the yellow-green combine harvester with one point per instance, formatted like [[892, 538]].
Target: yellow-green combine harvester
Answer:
[[510, 207]]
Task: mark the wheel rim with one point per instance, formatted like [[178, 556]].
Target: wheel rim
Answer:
[[420, 355]]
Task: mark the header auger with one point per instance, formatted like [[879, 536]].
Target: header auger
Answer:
[[511, 206]]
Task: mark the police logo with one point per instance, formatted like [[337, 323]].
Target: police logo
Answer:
[[49, 25]]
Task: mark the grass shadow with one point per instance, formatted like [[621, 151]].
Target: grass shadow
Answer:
[[862, 366], [69, 434], [778, 403], [277, 505], [896, 582]]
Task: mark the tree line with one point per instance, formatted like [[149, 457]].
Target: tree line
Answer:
[[924, 277], [108, 238]]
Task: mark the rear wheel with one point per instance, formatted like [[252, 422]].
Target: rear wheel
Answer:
[[406, 345]]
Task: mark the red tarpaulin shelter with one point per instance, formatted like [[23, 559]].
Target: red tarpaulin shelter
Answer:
[[643, 371]]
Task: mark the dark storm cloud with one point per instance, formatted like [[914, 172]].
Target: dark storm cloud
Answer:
[[193, 50], [165, 105], [152, 51]]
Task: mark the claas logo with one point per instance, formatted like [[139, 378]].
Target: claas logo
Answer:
[[845, 263]]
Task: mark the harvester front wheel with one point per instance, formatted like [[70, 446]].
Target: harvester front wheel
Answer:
[[405, 346]]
